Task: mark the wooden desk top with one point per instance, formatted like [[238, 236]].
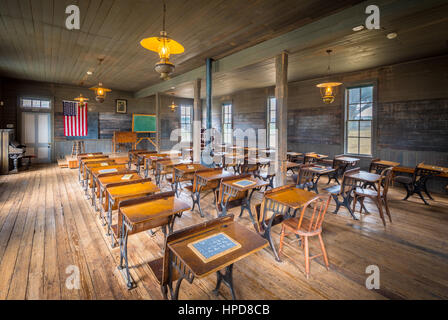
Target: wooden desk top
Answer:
[[142, 212], [291, 197], [103, 163], [85, 161], [258, 183], [121, 160], [388, 163], [190, 168], [290, 164], [431, 167], [132, 190], [250, 242], [294, 154], [97, 170], [171, 163], [116, 178], [315, 155], [146, 154], [347, 159], [93, 156], [214, 175], [366, 176], [320, 169]]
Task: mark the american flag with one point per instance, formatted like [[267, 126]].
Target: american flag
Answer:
[[75, 119]]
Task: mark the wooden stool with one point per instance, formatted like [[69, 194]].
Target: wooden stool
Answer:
[[78, 148]]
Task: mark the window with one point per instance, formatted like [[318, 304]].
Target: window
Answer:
[[227, 123], [185, 123], [272, 123], [31, 103], [359, 111]]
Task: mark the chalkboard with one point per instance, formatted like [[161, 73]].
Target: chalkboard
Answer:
[[214, 246], [144, 123]]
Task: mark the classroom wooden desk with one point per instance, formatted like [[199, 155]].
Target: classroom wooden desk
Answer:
[[105, 179], [123, 191], [164, 165], [93, 164], [185, 172], [348, 160], [151, 161], [143, 214], [87, 160], [180, 262], [141, 159], [206, 180], [280, 202], [230, 190], [292, 156], [365, 176], [95, 172], [318, 171], [314, 157], [443, 171], [291, 166]]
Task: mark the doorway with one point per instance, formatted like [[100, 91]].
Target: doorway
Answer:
[[36, 135]]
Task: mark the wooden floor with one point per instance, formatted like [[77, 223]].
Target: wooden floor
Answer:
[[47, 225]]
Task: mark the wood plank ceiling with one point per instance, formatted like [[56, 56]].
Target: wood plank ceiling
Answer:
[[35, 45]]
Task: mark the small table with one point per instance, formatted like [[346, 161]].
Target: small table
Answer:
[[230, 190], [291, 166], [202, 179], [145, 214], [126, 190], [362, 177], [151, 162], [164, 165], [82, 162], [291, 156], [93, 164], [348, 160], [187, 264], [280, 202], [318, 171]]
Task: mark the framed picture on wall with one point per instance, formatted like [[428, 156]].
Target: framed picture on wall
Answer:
[[121, 105]]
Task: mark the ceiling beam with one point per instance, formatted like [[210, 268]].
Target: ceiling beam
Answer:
[[316, 33]]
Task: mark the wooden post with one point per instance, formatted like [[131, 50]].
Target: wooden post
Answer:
[[159, 133], [197, 108], [281, 95]]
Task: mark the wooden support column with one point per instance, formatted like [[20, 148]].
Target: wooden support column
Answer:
[[281, 95], [197, 116], [159, 128]]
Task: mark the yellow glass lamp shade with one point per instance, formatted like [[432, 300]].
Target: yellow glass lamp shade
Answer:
[[172, 106], [81, 100], [165, 47], [100, 92], [328, 91]]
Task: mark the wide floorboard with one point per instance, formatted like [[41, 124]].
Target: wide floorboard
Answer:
[[48, 231]]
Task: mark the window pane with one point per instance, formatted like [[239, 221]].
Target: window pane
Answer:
[[354, 95], [352, 145], [36, 103], [365, 146], [366, 111], [367, 94], [354, 112], [45, 104], [26, 103], [365, 129], [352, 128]]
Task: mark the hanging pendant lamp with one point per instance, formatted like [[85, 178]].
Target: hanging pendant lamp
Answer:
[[164, 46], [328, 89], [100, 92], [81, 100]]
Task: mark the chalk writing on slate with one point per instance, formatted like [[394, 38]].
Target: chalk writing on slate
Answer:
[[214, 246]]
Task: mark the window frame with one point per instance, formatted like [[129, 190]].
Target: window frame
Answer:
[[183, 124], [32, 108], [345, 109], [269, 120], [224, 123]]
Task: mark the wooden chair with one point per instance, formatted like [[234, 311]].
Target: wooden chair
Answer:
[[417, 183], [378, 196], [307, 226], [304, 177], [344, 191]]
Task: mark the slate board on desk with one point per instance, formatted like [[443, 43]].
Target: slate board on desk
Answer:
[[214, 246], [244, 183]]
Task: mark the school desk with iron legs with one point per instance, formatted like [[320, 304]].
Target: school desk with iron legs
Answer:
[[230, 190], [126, 190], [142, 214], [181, 262]]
